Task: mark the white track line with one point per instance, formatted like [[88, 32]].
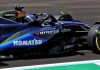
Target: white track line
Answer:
[[54, 64]]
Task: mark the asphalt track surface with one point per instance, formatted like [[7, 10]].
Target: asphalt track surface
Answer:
[[87, 11]]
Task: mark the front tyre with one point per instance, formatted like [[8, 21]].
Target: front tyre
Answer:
[[93, 38]]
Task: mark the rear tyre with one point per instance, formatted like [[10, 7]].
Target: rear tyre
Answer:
[[93, 38], [65, 17]]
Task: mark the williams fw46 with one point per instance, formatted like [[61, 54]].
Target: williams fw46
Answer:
[[47, 35]]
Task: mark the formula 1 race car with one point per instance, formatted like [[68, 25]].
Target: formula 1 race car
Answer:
[[51, 35]]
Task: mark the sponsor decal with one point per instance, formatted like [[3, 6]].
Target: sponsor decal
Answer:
[[48, 32], [66, 30], [27, 42], [53, 32]]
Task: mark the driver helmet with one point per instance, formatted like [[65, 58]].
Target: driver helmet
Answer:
[[30, 18], [18, 7]]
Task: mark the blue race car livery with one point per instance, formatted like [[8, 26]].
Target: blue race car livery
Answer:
[[53, 36]]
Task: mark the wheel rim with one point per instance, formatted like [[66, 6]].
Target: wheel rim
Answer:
[[98, 39], [98, 43]]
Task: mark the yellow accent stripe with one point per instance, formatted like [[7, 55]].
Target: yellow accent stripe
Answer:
[[97, 45], [12, 37]]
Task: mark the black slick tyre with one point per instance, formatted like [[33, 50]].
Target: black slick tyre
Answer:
[[93, 38]]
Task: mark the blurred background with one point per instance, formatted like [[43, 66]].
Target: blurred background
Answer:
[[87, 11]]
